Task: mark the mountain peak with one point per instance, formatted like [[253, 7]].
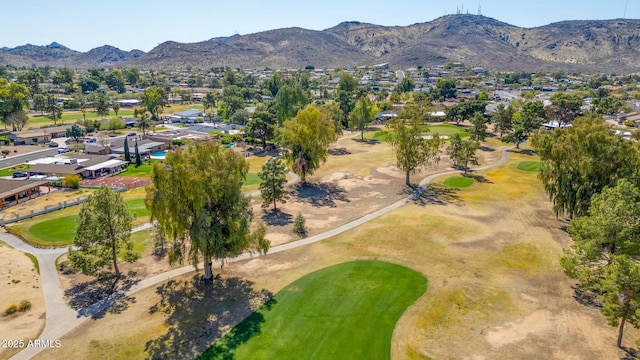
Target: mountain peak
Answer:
[[56, 45]]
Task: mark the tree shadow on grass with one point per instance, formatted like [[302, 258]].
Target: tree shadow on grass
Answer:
[[339, 151], [486, 149], [632, 354], [320, 194], [277, 218], [527, 152], [102, 295], [197, 314], [434, 194], [585, 297], [477, 178]]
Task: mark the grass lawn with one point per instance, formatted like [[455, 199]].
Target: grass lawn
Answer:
[[458, 182], [58, 228], [138, 208], [55, 232], [533, 166], [252, 178], [447, 129], [441, 129], [9, 171], [346, 311], [142, 171]]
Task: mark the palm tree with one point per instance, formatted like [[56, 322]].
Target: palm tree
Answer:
[[144, 122]]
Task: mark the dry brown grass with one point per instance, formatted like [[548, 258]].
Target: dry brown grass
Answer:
[[490, 252]]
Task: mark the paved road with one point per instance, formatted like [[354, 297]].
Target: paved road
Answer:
[[12, 160], [62, 319]]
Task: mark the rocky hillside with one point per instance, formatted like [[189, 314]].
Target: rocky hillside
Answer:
[[598, 45]]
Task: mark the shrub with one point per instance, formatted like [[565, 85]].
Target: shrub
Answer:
[[299, 226], [15, 281], [71, 181], [5, 152], [177, 142], [24, 305], [53, 144], [10, 310], [629, 123]]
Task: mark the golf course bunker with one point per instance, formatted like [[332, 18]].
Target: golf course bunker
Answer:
[[345, 311]]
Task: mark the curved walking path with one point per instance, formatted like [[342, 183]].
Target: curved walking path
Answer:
[[60, 318]]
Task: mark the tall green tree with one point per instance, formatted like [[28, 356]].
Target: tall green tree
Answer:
[[413, 150], [405, 85], [445, 89], [233, 100], [525, 122], [209, 101], [75, 132], [137, 155], [31, 79], [274, 178], [362, 115], [197, 201], [39, 103], [63, 76], [127, 152], [101, 104], [54, 109], [154, 99], [14, 97], [601, 258], [579, 161], [290, 99], [503, 119], [467, 154], [116, 107], [564, 107], [346, 96], [103, 231], [454, 150], [306, 139], [478, 131], [144, 122], [115, 81], [262, 124]]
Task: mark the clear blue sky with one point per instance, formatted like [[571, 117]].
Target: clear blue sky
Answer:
[[143, 24]]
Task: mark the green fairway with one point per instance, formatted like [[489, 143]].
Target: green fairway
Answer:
[[458, 182], [143, 170], [346, 311], [60, 231], [252, 178], [55, 232], [138, 208], [533, 166], [441, 130], [448, 130]]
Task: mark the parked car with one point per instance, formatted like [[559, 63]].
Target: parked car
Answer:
[[19, 174], [132, 134], [91, 140], [63, 150]]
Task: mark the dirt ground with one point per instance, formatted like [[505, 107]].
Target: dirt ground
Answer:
[[490, 252], [357, 179], [20, 281], [38, 203]]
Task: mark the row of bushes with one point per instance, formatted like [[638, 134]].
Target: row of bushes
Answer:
[[25, 305]]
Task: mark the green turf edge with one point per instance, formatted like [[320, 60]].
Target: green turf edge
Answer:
[[34, 260], [355, 296], [458, 182]]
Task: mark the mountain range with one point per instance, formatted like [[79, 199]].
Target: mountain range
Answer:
[[577, 45]]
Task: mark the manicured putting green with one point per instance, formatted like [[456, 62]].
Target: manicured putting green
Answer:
[[533, 166], [58, 231], [448, 130], [458, 181], [346, 311]]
